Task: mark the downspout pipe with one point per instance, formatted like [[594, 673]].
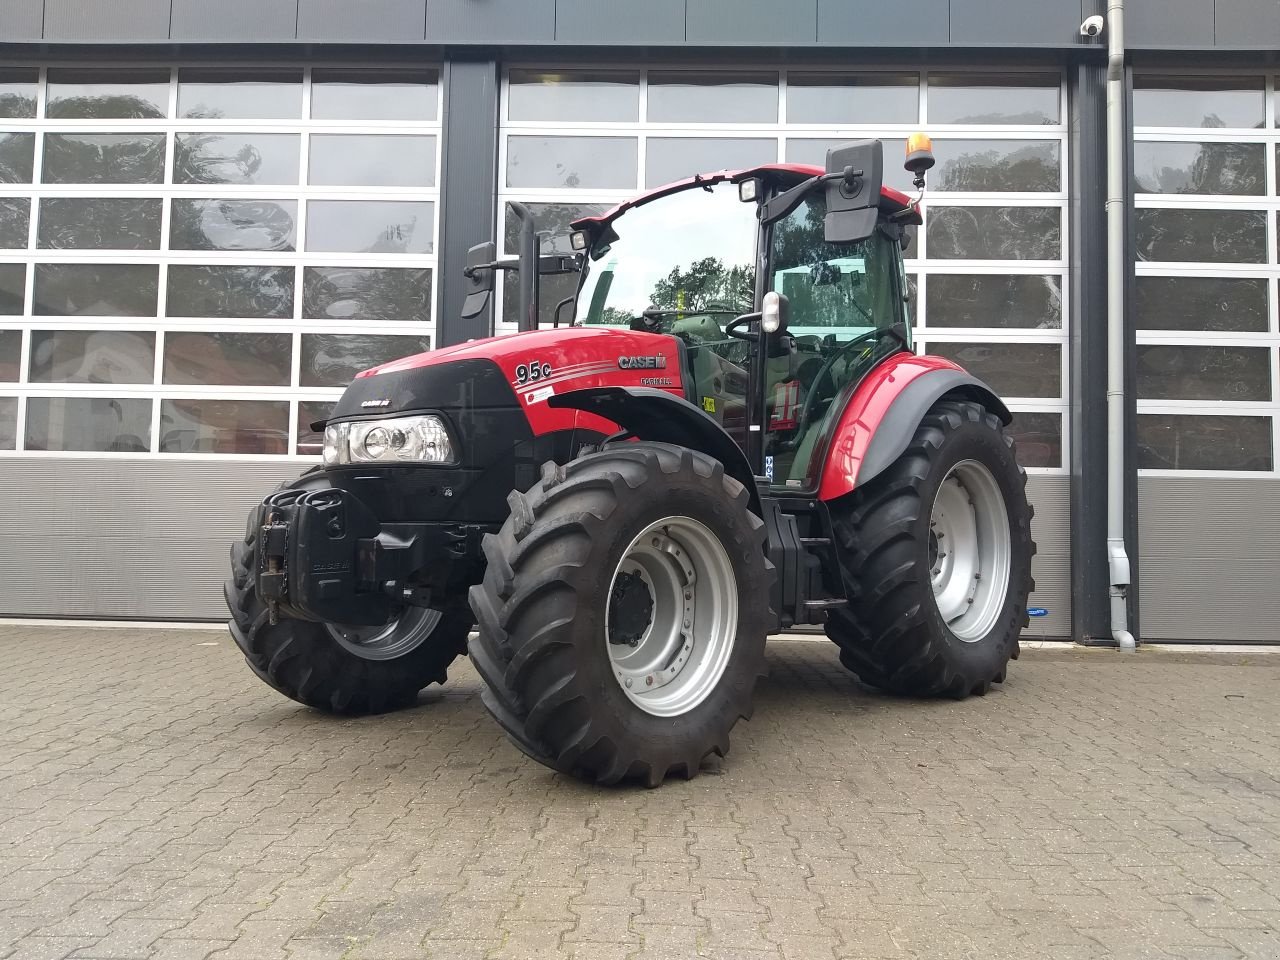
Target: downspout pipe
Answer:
[[1117, 270]]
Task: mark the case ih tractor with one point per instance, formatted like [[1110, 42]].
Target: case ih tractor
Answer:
[[729, 437]]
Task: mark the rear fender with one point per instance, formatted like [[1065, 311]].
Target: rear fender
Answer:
[[662, 417], [882, 416]]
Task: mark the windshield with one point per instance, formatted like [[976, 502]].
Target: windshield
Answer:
[[686, 256]]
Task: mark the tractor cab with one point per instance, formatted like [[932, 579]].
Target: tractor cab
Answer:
[[775, 320]]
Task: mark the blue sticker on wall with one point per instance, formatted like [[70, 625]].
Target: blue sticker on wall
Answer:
[[1037, 612]]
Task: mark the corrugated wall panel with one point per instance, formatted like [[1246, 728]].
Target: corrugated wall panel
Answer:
[[770, 22], [1027, 21], [21, 20], [101, 21], [1251, 24], [875, 23], [249, 21], [1051, 528], [1210, 560], [149, 538], [589, 21], [1160, 23], [118, 538], [491, 21], [369, 21]]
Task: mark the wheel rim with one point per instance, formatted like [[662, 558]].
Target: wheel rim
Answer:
[[970, 547], [671, 616], [389, 640]]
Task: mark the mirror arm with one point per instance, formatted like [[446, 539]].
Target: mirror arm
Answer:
[[567, 301]]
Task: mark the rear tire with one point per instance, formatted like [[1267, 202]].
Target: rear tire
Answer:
[[906, 629], [564, 596], [324, 665]]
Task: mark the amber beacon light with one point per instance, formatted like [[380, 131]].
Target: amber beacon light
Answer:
[[919, 157]]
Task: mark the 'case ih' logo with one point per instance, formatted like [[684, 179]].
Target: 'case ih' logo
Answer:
[[642, 363], [376, 403]]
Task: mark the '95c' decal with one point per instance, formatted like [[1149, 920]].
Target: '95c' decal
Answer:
[[532, 373]]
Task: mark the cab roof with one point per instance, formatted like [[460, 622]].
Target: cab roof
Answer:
[[891, 201]]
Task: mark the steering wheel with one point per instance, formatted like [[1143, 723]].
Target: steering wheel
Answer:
[[810, 401]]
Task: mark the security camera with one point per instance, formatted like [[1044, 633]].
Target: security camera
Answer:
[[1092, 27]]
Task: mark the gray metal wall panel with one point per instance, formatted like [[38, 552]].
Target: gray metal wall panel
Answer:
[[770, 22], [468, 177], [21, 20], [982, 23], [1051, 528], [249, 21], [875, 23], [365, 21], [590, 21], [1210, 567], [1161, 23], [123, 538], [1252, 24], [106, 20], [491, 21]]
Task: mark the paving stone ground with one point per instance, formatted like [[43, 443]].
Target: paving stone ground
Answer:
[[157, 801]]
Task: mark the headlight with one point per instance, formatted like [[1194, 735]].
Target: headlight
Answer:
[[422, 439]]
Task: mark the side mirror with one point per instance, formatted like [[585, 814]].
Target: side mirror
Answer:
[[479, 274], [853, 193]]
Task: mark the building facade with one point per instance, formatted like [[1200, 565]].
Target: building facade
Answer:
[[213, 215]]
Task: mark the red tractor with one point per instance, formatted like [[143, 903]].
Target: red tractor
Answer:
[[729, 437]]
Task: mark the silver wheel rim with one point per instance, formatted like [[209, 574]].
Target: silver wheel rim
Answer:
[[970, 548], [390, 640], [671, 664]]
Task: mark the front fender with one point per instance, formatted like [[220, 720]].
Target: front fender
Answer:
[[658, 415], [882, 415]]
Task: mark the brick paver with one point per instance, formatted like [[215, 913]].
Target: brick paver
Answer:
[[157, 801]]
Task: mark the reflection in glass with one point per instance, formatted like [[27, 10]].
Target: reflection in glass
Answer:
[[99, 223], [224, 426], [96, 289], [1175, 442], [997, 166], [17, 157], [712, 98], [555, 287], [246, 158], [363, 95], [92, 356], [994, 233], [15, 223], [370, 226], [552, 220], [227, 359], [994, 98], [822, 98], [1038, 437], [99, 424], [1203, 372], [367, 293], [80, 94], [18, 92], [814, 151], [233, 225], [103, 158], [580, 162], [8, 423], [311, 442], [10, 355], [1011, 369], [1214, 304], [230, 291], [334, 359], [675, 158], [372, 160], [235, 94], [13, 289], [995, 300], [1232, 169], [1196, 101], [1202, 236], [574, 96]]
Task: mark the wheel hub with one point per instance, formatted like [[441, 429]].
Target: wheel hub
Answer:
[[970, 550], [391, 640], [672, 616]]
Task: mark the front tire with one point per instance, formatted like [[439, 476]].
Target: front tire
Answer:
[[936, 559], [623, 614], [333, 667]]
